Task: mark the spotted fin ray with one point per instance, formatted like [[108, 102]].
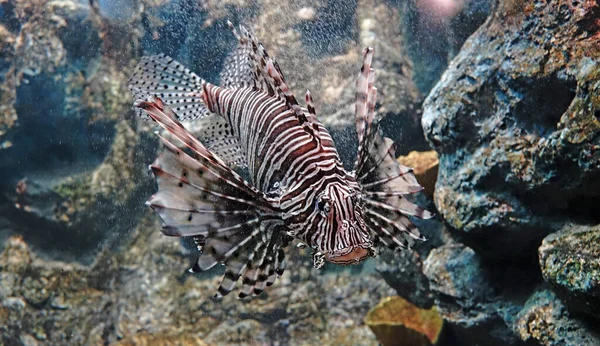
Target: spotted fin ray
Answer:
[[163, 77], [218, 137]]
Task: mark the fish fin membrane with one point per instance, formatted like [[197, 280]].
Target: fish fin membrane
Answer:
[[393, 230], [217, 135], [239, 70], [161, 76], [203, 198]]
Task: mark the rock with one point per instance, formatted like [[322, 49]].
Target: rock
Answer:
[[76, 210], [246, 332], [143, 339], [570, 262], [403, 272], [75, 163], [513, 120], [396, 319], [466, 299], [38, 303], [14, 262], [425, 166], [546, 321], [456, 271]]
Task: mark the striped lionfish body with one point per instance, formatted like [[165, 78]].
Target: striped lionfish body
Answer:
[[300, 189]]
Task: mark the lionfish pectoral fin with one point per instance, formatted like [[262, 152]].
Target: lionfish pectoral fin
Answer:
[[384, 183], [201, 197], [180, 88]]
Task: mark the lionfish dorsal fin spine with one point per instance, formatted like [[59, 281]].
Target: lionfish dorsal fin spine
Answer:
[[384, 182], [364, 84], [250, 65]]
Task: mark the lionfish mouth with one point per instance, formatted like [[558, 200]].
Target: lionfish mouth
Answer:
[[350, 255]]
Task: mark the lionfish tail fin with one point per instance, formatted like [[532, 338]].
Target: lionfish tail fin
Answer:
[[178, 87], [199, 196]]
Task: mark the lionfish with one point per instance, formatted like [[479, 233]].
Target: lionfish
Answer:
[[299, 188]]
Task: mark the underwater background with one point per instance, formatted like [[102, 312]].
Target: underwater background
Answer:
[[495, 103]]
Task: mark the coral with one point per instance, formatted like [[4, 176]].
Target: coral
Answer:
[[425, 165], [396, 319]]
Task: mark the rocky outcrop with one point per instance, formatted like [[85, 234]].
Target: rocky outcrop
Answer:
[[467, 298], [72, 170], [514, 119]]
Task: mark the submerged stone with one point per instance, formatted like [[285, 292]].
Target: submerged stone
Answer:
[[570, 262], [544, 320]]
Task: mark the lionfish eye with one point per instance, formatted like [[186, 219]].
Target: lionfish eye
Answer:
[[323, 206]]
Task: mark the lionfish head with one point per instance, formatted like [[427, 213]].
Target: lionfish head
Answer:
[[346, 240]]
